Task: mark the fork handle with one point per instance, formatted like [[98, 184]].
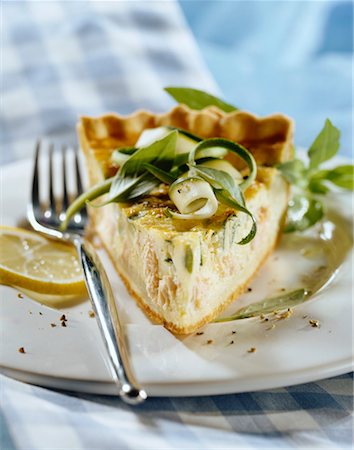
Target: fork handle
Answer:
[[107, 317]]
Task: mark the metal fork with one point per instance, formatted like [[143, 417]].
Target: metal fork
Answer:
[[47, 220]]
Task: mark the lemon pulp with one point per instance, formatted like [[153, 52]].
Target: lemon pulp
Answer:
[[31, 261]]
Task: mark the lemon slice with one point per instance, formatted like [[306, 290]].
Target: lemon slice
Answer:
[[30, 261]]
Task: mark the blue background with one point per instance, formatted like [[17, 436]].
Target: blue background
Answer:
[[281, 56]]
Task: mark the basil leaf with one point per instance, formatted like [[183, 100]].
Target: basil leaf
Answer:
[[316, 182], [160, 153], [303, 213], [160, 174], [224, 197], [293, 171], [142, 186], [196, 99], [127, 150], [342, 176], [166, 155], [317, 186], [221, 180], [325, 146], [268, 305], [181, 159], [132, 187]]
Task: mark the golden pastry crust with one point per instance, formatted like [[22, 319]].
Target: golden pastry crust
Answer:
[[268, 138]]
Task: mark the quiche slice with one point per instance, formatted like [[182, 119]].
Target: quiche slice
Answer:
[[184, 273]]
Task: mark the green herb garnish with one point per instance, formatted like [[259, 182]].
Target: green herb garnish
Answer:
[[310, 182], [132, 180], [325, 146], [188, 259], [268, 305], [81, 201], [162, 175], [196, 99], [194, 188]]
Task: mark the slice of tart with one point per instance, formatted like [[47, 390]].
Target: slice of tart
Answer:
[[183, 259]]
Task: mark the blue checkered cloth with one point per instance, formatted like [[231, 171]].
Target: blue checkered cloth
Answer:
[[313, 415], [65, 59]]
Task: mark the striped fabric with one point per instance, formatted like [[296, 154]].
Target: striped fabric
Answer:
[[314, 415], [69, 58], [63, 59]]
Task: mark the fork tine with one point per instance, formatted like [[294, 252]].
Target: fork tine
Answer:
[[35, 179], [79, 189], [65, 202], [81, 217], [52, 206]]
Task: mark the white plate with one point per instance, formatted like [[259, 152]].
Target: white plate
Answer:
[[293, 352]]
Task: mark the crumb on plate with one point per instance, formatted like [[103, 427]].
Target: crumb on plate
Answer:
[[285, 315]]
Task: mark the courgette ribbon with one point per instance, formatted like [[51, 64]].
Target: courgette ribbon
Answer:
[[237, 149], [194, 198]]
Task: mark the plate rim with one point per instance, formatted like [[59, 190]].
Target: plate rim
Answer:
[[182, 389]]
